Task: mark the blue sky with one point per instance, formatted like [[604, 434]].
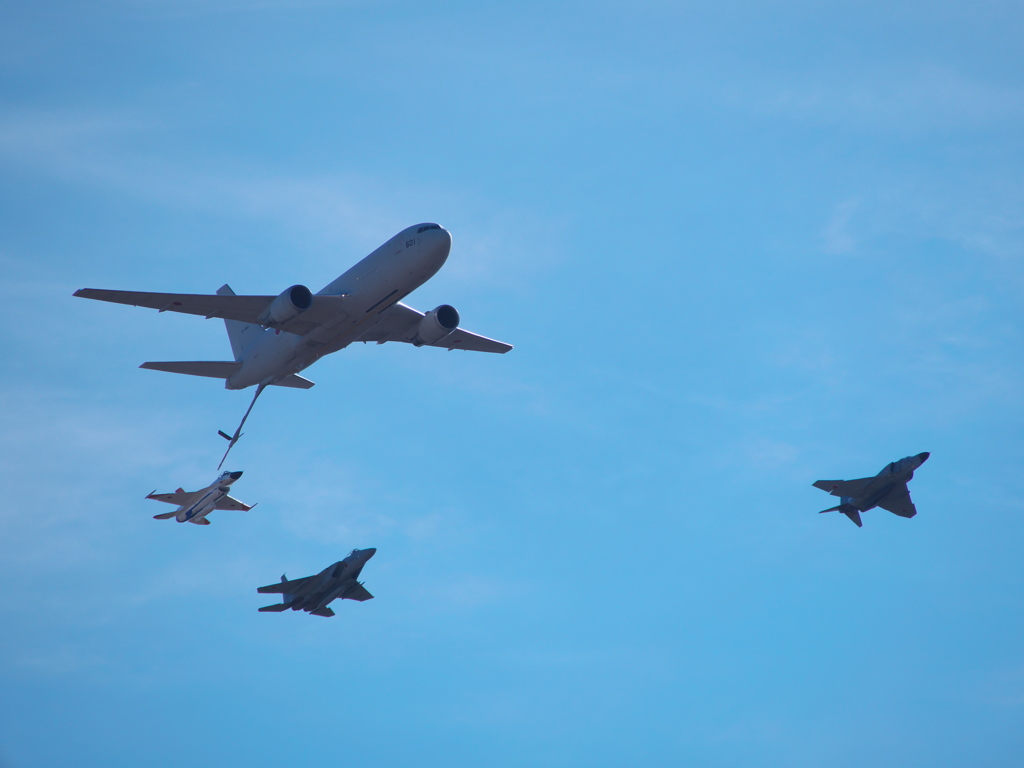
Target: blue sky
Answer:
[[738, 249]]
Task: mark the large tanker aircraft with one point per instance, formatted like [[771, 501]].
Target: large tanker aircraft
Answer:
[[275, 337]]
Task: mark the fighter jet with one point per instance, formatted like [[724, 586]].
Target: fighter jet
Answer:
[[888, 490], [194, 506], [275, 337], [313, 593]]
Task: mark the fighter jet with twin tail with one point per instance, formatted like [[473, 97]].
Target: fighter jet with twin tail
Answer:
[[888, 490], [313, 593], [273, 338], [194, 506]]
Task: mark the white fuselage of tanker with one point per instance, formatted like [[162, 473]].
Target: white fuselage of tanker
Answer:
[[372, 286]]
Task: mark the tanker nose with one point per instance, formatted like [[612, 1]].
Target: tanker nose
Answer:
[[923, 457], [441, 240]]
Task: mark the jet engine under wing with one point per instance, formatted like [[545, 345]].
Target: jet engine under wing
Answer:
[[401, 322], [898, 502], [849, 488], [245, 309]]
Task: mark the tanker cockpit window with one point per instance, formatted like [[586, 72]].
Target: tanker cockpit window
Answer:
[[425, 227]]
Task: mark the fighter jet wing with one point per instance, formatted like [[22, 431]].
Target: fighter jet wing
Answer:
[[401, 322], [179, 498], [226, 502], [246, 309], [292, 587], [359, 592], [849, 488], [898, 502]]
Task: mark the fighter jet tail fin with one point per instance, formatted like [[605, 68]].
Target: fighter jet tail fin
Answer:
[[322, 612], [165, 516], [849, 510], [276, 608], [199, 521]]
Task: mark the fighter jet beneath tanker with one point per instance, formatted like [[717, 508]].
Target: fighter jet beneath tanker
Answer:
[[194, 506], [275, 337], [888, 490], [313, 593]]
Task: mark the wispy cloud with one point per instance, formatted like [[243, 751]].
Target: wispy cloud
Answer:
[[189, 8], [57, 660], [113, 151], [837, 235], [766, 455], [911, 99], [56, 502], [108, 150], [460, 592]]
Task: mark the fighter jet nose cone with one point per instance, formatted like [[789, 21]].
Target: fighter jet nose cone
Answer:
[[370, 552], [923, 456], [235, 475]]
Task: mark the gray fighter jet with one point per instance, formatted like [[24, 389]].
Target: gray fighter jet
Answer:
[[888, 490], [313, 593]]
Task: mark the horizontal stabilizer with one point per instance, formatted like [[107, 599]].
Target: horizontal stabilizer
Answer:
[[847, 509], [322, 612], [165, 516], [275, 608], [295, 382], [210, 369], [178, 498]]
